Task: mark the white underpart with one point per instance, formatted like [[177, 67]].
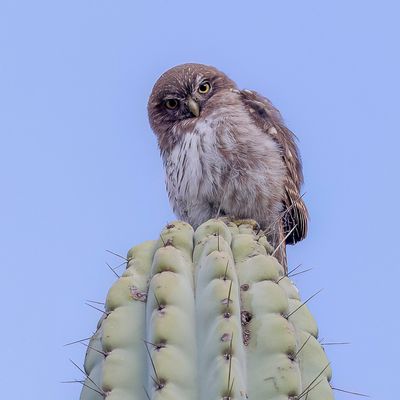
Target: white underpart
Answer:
[[246, 184], [196, 157]]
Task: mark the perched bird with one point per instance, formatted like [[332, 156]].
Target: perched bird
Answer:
[[227, 152]]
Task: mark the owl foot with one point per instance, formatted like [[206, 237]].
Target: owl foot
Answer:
[[247, 221], [239, 221], [226, 220]]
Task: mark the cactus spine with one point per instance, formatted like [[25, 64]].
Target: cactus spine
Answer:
[[205, 315]]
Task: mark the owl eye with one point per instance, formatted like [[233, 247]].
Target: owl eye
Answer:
[[204, 87], [171, 104]]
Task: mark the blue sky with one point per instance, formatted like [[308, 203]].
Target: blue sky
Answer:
[[81, 173]]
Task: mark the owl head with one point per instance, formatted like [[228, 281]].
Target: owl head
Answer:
[[181, 96]]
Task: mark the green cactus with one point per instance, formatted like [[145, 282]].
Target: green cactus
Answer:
[[205, 315]]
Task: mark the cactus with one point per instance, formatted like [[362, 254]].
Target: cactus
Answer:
[[205, 315]]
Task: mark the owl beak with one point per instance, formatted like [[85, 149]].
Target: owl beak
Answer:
[[193, 106]]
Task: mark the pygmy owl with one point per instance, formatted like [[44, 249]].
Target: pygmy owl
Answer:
[[227, 152]]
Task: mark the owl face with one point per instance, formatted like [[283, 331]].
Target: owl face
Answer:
[[182, 95]]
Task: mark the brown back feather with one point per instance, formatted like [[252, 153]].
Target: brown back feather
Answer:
[[269, 119]]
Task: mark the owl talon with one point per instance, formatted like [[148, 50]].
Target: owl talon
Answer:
[[254, 224], [226, 220], [238, 222]]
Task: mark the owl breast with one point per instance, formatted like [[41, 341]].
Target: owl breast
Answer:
[[227, 164]]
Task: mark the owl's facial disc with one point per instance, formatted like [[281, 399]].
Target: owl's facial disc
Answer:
[[187, 108], [181, 96]]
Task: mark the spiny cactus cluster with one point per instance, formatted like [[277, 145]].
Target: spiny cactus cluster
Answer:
[[205, 315]]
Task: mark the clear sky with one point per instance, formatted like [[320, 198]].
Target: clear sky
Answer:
[[80, 170]]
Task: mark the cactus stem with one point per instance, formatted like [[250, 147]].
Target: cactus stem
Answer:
[[112, 270], [118, 255], [77, 341], [98, 309], [349, 392], [302, 304], [283, 240], [89, 378], [188, 331], [310, 386]]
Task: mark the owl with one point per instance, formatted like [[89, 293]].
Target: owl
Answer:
[[227, 152]]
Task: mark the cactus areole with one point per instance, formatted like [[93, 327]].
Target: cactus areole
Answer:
[[205, 315]]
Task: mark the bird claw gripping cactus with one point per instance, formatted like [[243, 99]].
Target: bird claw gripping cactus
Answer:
[[205, 315]]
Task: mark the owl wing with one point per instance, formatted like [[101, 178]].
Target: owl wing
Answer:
[[268, 118]]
